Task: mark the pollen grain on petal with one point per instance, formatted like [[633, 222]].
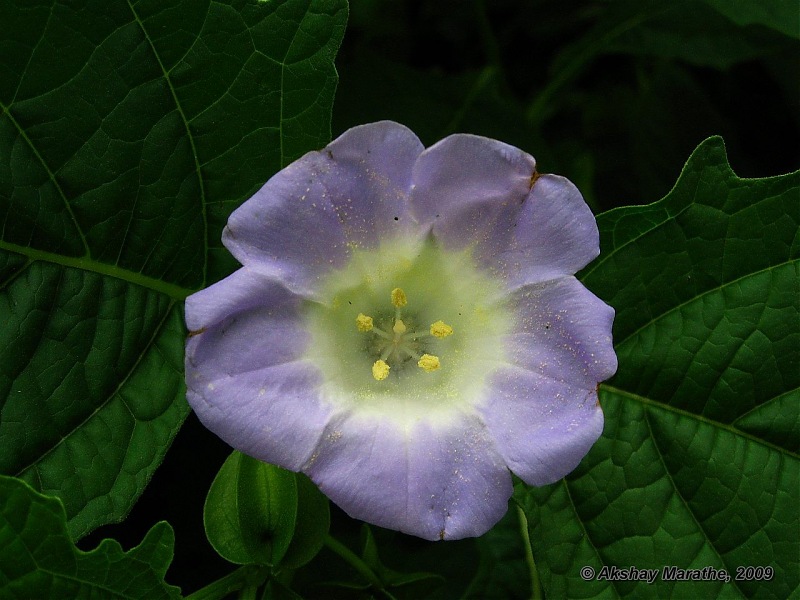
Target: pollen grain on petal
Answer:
[[321, 241], [428, 363], [363, 322], [380, 370], [399, 299], [440, 329]]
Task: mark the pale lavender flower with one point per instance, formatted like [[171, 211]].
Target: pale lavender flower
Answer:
[[407, 328]]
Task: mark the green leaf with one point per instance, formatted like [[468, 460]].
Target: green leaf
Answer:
[[390, 565], [390, 577], [311, 527], [503, 573], [129, 131], [780, 15], [698, 464], [39, 560], [250, 511], [693, 32], [275, 590]]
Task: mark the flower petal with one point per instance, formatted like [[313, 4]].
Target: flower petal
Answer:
[[246, 379], [562, 330], [277, 366], [242, 290], [485, 194], [542, 427], [554, 234], [542, 409], [308, 217], [435, 481]]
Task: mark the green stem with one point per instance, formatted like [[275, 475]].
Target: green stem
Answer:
[[241, 578], [536, 586], [248, 592], [353, 560]]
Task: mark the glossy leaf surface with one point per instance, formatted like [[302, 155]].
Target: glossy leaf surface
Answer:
[[311, 526], [251, 510], [129, 131], [698, 464], [39, 560]]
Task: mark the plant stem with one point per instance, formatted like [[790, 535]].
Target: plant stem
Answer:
[[536, 587], [248, 592], [247, 575], [353, 560]]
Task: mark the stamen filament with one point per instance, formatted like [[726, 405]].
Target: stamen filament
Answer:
[[409, 352], [415, 335], [381, 333], [399, 344]]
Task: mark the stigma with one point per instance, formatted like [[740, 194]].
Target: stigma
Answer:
[[396, 342]]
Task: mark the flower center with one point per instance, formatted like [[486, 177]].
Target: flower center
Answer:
[[395, 345], [410, 306]]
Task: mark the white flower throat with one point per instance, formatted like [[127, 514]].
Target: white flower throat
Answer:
[[409, 325], [397, 344]]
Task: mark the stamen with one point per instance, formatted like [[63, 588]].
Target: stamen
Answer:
[[400, 344], [399, 298], [380, 370], [428, 363], [440, 329], [409, 352], [381, 333], [364, 323]]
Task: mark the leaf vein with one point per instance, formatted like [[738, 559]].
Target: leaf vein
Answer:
[[51, 176], [700, 418], [175, 292], [116, 393], [683, 500], [189, 135], [712, 290]]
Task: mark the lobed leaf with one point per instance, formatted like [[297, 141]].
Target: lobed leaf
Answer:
[[129, 131], [39, 560], [503, 573], [698, 464]]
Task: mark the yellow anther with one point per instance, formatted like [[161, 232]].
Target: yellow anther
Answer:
[[399, 298], [399, 327], [380, 370], [428, 363], [363, 322], [440, 329]]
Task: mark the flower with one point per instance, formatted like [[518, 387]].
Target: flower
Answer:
[[406, 328]]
